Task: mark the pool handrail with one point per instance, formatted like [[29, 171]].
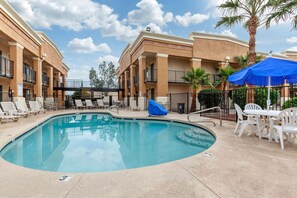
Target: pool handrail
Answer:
[[204, 110], [114, 107]]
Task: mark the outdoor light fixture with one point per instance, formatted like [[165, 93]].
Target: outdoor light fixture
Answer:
[[148, 29], [227, 59]]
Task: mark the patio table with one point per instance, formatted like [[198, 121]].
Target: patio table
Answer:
[[267, 114]]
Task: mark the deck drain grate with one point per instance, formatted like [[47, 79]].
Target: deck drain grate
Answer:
[[64, 178], [208, 154]]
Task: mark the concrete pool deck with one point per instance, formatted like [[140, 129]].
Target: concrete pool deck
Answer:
[[238, 167]]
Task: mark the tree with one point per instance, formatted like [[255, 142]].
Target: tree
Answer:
[[283, 10], [250, 13], [106, 77], [243, 61], [196, 77], [224, 74]]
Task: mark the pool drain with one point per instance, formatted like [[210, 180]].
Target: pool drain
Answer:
[[64, 178], [208, 154]]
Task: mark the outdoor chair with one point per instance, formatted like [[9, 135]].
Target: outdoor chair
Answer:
[[252, 106], [243, 124], [288, 119], [79, 104], [22, 107], [36, 106], [89, 104], [101, 104], [50, 105], [5, 116], [10, 108], [133, 106]]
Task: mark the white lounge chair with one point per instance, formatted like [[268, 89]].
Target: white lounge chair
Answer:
[[22, 107], [10, 108], [36, 106], [79, 104], [243, 124], [101, 104], [7, 117], [89, 104], [288, 118]]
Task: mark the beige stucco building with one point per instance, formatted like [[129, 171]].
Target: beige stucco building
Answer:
[[152, 66], [31, 65]]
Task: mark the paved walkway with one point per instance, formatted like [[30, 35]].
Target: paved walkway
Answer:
[[239, 167]]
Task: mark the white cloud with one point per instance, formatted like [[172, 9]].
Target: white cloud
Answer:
[[228, 33], [292, 40], [109, 58], [81, 72], [150, 11], [292, 49], [189, 18], [87, 46]]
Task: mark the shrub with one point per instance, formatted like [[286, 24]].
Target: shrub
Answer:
[[239, 96], [290, 103], [209, 98], [260, 97]]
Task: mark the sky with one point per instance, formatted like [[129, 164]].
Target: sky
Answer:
[[88, 32]]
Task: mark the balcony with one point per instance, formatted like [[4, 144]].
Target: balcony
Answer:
[[214, 78], [129, 83], [136, 80], [6, 67], [29, 75], [45, 80], [176, 77], [150, 75]]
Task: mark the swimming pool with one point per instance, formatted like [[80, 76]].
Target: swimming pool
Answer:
[[100, 143]]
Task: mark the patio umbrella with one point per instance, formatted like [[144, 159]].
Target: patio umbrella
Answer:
[[271, 71]]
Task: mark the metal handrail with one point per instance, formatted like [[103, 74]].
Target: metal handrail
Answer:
[[114, 107], [204, 110]]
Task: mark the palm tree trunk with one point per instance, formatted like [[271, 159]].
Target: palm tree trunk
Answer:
[[193, 105], [252, 42]]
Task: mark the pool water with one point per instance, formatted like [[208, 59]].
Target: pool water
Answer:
[[99, 143]]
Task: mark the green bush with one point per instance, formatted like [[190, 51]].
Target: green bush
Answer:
[[260, 97], [290, 103], [239, 96], [209, 98]]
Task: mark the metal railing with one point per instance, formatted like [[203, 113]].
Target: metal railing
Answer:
[[29, 75], [45, 80], [150, 75], [175, 76], [204, 110], [6, 67]]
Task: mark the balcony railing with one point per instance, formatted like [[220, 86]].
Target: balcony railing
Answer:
[[45, 80], [150, 75], [29, 75], [6, 67], [176, 76], [214, 78]]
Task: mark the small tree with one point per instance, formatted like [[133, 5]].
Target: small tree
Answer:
[[196, 77], [106, 76], [224, 74], [243, 61]]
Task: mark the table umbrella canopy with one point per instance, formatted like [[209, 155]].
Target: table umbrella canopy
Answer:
[[271, 71], [278, 70]]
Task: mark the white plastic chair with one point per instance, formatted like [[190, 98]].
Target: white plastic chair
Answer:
[[288, 118], [100, 104], [89, 104], [36, 106], [243, 124], [79, 104], [7, 117], [252, 106], [11, 109], [22, 107]]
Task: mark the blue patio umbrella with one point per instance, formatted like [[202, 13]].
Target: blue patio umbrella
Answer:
[[271, 71]]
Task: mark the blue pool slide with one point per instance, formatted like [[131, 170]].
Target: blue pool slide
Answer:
[[155, 109]]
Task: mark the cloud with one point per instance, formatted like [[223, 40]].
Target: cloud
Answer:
[[228, 33], [81, 72], [87, 46], [188, 19], [292, 40], [150, 11], [294, 49], [109, 58]]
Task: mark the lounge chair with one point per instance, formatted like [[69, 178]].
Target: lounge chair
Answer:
[[36, 106], [79, 104], [101, 104], [7, 117], [22, 107], [89, 104], [10, 108]]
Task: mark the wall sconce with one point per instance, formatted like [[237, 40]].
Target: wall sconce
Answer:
[[227, 59]]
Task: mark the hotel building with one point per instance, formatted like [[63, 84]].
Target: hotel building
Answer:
[[31, 65], [152, 66]]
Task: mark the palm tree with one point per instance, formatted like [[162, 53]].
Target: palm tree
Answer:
[[224, 74], [250, 13], [243, 61], [283, 10], [196, 77]]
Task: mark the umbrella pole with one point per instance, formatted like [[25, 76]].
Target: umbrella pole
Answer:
[[268, 97]]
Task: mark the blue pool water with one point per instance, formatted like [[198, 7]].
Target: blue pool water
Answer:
[[99, 142]]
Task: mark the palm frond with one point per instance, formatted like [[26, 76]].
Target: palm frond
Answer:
[[229, 21]]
